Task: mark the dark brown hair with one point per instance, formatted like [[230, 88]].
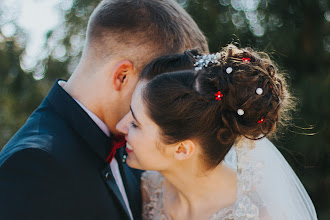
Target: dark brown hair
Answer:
[[183, 103], [169, 63], [143, 29]]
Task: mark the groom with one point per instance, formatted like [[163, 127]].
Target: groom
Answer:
[[63, 164]]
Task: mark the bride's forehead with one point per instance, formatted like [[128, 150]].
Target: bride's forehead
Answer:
[[137, 103], [137, 96], [139, 87]]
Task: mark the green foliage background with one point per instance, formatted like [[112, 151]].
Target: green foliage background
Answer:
[[296, 33]]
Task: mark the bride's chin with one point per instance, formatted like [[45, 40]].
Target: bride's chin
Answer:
[[132, 162]]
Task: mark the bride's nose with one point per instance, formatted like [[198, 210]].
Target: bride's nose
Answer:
[[122, 125]]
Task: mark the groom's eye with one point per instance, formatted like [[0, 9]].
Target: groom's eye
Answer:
[[133, 125]]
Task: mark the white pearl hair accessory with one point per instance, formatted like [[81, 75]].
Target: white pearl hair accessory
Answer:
[[259, 91], [229, 70], [240, 112]]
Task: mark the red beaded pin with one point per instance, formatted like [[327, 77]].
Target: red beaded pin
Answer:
[[262, 120], [218, 95], [246, 59]]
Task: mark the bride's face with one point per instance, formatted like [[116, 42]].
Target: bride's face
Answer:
[[145, 151]]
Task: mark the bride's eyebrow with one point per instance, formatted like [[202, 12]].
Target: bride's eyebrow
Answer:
[[133, 114]]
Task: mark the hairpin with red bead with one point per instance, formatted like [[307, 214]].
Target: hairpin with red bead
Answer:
[[246, 59], [218, 95], [261, 120]]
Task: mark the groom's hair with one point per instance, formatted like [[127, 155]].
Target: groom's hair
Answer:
[[141, 30]]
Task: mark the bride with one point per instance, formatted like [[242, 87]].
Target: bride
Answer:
[[202, 135]]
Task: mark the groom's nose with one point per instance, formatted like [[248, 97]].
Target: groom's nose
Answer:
[[122, 125]]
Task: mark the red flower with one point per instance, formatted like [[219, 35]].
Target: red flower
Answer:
[[218, 95], [246, 59], [262, 120]]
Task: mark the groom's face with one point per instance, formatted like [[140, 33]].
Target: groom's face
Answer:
[[118, 98], [126, 97], [143, 146]]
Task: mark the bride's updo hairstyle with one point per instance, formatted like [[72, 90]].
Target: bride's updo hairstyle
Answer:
[[219, 100]]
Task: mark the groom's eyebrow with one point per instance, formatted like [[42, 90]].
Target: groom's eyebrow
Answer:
[[133, 114]]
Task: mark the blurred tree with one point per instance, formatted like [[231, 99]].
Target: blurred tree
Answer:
[[296, 33], [19, 93]]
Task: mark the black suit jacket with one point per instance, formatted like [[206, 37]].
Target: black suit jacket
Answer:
[[54, 167]]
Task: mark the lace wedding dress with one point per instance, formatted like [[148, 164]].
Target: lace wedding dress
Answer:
[[267, 188]]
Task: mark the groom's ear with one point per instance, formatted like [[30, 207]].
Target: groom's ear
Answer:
[[121, 73], [184, 150]]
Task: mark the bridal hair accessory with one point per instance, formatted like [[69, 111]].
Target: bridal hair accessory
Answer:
[[218, 95], [204, 60], [262, 120], [229, 70], [246, 59], [240, 112], [259, 91]]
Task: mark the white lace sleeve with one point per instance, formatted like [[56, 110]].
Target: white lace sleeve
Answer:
[[152, 184]]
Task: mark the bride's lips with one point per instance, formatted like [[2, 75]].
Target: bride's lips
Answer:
[[129, 148]]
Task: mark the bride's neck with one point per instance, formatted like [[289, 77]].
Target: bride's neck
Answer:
[[193, 189]]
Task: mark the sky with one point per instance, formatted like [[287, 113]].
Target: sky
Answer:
[[36, 17]]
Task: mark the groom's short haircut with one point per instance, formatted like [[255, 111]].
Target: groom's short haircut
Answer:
[[141, 30]]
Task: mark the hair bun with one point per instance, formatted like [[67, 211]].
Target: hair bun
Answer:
[[250, 83]]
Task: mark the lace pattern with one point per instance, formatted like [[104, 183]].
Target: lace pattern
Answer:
[[249, 174], [153, 186]]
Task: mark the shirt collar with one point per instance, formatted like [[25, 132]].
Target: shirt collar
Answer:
[[94, 117]]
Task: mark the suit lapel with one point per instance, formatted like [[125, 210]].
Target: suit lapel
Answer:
[[111, 183], [132, 185]]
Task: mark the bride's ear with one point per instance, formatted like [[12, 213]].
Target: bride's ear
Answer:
[[184, 150]]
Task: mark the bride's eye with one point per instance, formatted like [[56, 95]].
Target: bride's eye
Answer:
[[133, 125]]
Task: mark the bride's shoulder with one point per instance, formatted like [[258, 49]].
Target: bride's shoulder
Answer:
[[151, 179]]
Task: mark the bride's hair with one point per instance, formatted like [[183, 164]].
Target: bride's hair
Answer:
[[237, 93]]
